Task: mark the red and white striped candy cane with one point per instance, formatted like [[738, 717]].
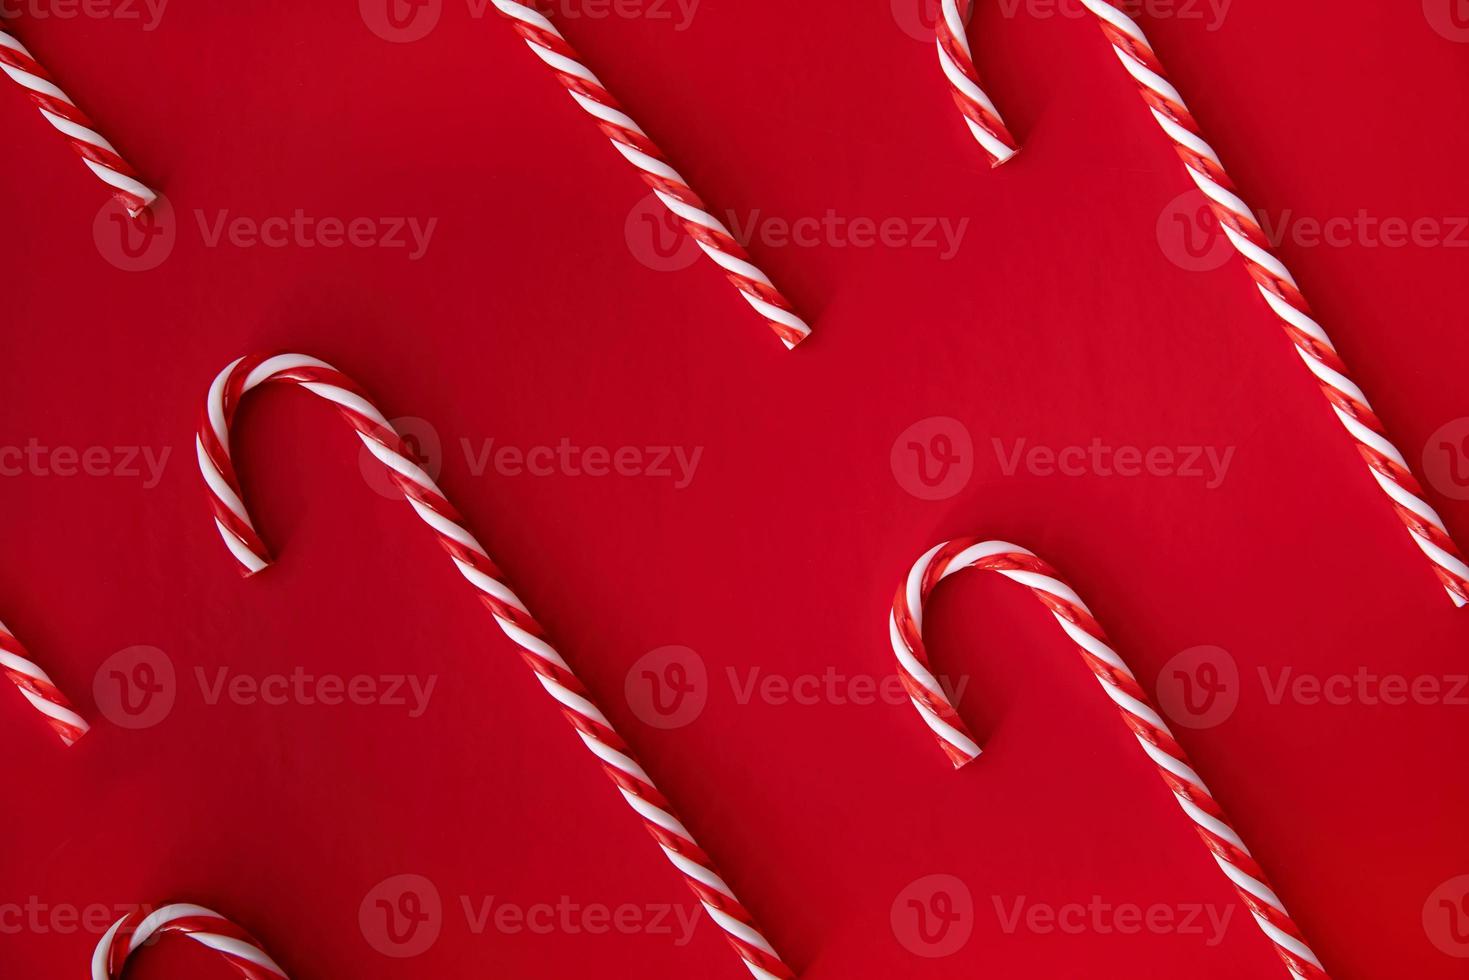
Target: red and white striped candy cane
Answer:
[[469, 557], [635, 146], [206, 928], [934, 707], [1279, 288], [39, 689], [99, 155], [958, 63]]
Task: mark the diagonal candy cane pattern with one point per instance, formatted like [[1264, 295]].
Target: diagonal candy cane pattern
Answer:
[[957, 62], [1019, 565], [469, 557], [635, 146], [99, 155], [39, 689], [209, 929], [1388, 467]]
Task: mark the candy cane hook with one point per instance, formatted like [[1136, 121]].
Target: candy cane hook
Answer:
[[470, 558], [628, 137], [1384, 460], [100, 156], [204, 927], [39, 689], [1019, 565]]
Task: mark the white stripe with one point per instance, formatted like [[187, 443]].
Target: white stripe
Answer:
[[21, 665], [572, 700], [79, 132], [446, 527], [654, 815], [34, 82], [698, 872], [735, 927], [563, 64], [238, 949], [607, 114]]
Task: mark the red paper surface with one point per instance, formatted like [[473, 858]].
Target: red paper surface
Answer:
[[1078, 304]]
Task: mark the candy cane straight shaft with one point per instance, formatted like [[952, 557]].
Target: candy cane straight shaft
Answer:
[[99, 155], [1279, 288], [39, 689], [469, 557], [936, 710], [708, 231], [957, 61], [209, 929]]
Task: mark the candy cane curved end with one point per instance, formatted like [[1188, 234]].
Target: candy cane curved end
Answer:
[[210, 929], [1076, 620], [472, 562], [39, 690]]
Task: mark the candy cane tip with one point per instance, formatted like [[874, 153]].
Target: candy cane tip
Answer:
[[1002, 158], [959, 757]]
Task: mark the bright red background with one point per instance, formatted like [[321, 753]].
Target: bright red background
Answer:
[[531, 320]]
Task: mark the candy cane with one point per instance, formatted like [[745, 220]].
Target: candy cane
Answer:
[[98, 154], [39, 689], [469, 557], [206, 928], [1387, 464], [934, 707], [708, 231], [957, 61]]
